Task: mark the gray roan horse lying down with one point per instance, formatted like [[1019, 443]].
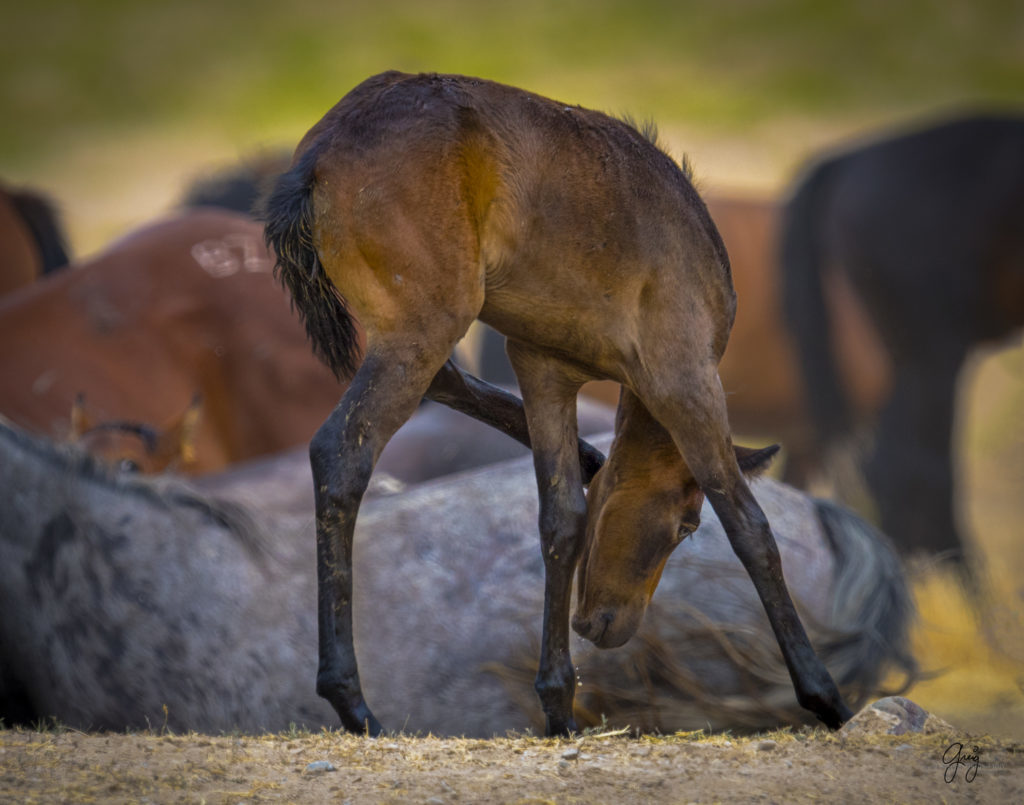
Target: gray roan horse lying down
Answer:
[[120, 595]]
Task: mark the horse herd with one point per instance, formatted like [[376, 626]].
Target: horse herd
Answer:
[[184, 594]]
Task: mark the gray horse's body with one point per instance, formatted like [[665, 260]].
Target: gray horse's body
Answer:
[[127, 603]]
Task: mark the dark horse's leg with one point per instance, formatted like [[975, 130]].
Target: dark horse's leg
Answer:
[[496, 407], [694, 413], [910, 470], [549, 396]]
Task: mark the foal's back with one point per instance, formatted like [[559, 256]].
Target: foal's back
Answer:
[[527, 213]]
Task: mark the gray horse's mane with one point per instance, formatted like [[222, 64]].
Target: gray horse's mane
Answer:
[[871, 599], [166, 492]]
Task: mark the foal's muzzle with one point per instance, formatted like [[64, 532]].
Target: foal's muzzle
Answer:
[[607, 628]]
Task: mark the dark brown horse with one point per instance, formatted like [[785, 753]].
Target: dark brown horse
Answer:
[[185, 305], [425, 202], [927, 230], [32, 241]]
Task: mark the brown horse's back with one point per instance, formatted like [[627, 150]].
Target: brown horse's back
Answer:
[[183, 306]]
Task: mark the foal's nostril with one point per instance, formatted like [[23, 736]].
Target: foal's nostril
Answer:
[[594, 627]]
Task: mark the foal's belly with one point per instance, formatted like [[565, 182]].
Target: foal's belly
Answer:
[[591, 334]]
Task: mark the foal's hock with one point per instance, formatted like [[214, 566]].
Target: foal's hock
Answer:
[[421, 203]]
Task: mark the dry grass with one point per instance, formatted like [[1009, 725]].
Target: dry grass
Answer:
[[804, 766]]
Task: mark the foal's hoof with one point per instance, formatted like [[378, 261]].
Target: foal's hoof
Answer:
[[833, 714], [560, 727], [362, 722]]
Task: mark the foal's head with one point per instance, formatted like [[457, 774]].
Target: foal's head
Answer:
[[642, 503]]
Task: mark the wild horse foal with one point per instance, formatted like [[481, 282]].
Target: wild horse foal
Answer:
[[421, 203]]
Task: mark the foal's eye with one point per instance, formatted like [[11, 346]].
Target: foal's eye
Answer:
[[127, 465], [685, 529]]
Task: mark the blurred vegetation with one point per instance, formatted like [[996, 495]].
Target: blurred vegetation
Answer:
[[236, 69]]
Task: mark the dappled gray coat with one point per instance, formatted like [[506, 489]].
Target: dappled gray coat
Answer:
[[129, 602]]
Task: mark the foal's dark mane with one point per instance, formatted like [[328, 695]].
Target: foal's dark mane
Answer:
[[648, 129], [165, 492]]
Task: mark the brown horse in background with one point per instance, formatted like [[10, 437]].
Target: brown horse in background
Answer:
[[166, 374], [426, 202], [32, 242], [134, 446], [186, 305]]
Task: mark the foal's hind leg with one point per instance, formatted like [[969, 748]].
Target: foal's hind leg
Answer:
[[695, 415], [494, 406], [383, 394], [549, 397]]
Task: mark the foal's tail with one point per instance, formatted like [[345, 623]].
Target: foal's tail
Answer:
[[288, 229], [868, 637], [803, 256], [40, 217]]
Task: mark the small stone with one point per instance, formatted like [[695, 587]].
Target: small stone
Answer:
[[318, 766], [895, 715], [572, 753], [767, 745]]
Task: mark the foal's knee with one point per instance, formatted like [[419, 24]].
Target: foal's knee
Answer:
[[561, 530], [341, 471], [748, 528]]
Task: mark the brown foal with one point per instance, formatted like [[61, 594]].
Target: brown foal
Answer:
[[421, 203]]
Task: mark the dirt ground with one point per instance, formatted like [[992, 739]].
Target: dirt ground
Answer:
[[792, 767]]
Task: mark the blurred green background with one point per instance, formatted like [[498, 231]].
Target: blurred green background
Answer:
[[112, 104]]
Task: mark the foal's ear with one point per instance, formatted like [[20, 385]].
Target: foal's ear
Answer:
[[178, 437], [754, 460]]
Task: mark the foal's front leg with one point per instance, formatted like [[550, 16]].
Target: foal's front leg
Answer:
[[549, 398], [695, 415]]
